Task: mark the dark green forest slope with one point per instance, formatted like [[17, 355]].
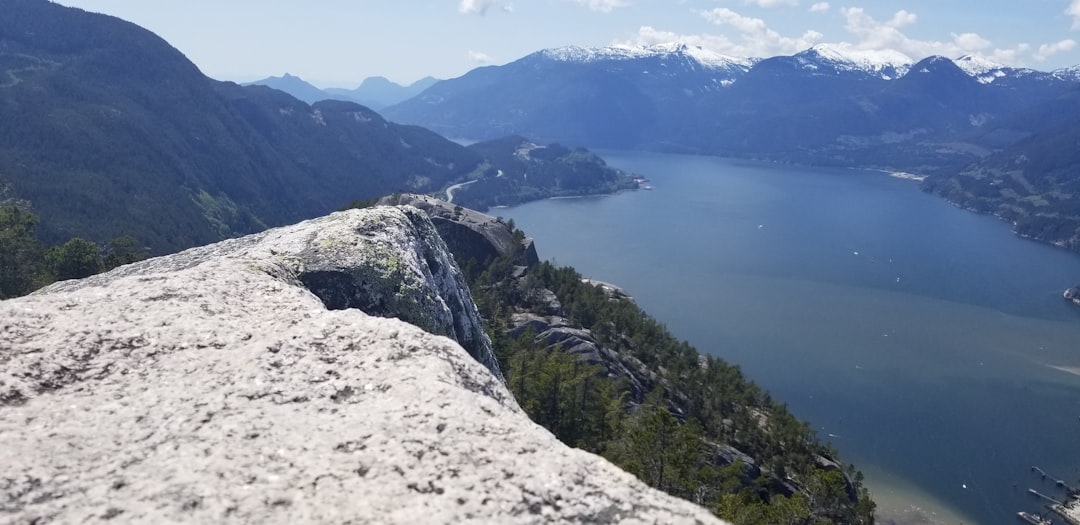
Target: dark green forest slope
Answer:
[[518, 170], [589, 365]]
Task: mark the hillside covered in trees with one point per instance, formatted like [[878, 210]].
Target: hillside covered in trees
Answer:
[[602, 375], [517, 170]]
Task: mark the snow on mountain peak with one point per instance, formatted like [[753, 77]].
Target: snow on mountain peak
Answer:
[[975, 65], [1070, 74], [887, 64], [987, 71], [700, 55]]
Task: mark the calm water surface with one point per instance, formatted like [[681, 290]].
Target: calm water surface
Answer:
[[920, 339]]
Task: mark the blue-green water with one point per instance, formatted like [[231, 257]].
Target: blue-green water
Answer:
[[917, 337]]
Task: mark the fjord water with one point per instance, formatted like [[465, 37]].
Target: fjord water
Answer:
[[925, 342]]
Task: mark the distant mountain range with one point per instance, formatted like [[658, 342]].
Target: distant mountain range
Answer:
[[374, 92], [825, 105]]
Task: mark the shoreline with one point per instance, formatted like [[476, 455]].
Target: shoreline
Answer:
[[900, 502], [897, 174]]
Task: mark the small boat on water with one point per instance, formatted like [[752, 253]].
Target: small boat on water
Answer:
[[1032, 519]]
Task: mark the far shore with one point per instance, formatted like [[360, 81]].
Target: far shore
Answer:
[[900, 174]]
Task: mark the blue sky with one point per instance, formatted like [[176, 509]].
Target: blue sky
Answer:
[[338, 43]]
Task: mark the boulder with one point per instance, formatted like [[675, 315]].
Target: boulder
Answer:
[[243, 383], [610, 290]]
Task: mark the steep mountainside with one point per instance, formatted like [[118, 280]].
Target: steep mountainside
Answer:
[[610, 97], [107, 130], [588, 364]]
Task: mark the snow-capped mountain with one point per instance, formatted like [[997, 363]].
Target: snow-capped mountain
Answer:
[[1068, 74], [987, 71], [832, 59], [704, 57]]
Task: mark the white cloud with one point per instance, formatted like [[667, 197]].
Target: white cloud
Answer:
[[475, 7], [1074, 11], [480, 7], [878, 35], [1010, 56], [772, 3], [751, 37], [1047, 50], [604, 6], [480, 58], [755, 37], [648, 36], [970, 42]]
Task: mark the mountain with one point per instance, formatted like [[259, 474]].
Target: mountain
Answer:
[[616, 96], [294, 86], [831, 60], [380, 92], [107, 130], [830, 104]]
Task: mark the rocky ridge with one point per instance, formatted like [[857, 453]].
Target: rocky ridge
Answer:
[[244, 382]]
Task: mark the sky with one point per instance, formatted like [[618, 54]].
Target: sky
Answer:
[[339, 43]]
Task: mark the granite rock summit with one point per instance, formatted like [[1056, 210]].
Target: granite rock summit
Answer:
[[311, 373]]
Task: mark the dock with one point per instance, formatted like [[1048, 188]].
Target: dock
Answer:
[[1033, 519], [1059, 482], [1052, 501]]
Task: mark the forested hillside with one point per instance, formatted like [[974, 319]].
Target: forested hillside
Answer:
[[517, 170], [602, 375]]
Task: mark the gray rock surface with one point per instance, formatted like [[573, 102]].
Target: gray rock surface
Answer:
[[213, 386], [469, 233]]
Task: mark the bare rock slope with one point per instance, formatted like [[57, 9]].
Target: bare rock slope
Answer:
[[224, 384]]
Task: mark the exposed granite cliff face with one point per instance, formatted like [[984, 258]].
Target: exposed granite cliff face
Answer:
[[214, 386], [469, 233]]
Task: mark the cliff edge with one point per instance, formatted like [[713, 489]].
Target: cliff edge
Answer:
[[243, 382]]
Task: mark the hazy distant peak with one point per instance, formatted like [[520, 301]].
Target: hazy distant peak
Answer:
[[700, 55], [424, 83], [378, 82], [887, 64]]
